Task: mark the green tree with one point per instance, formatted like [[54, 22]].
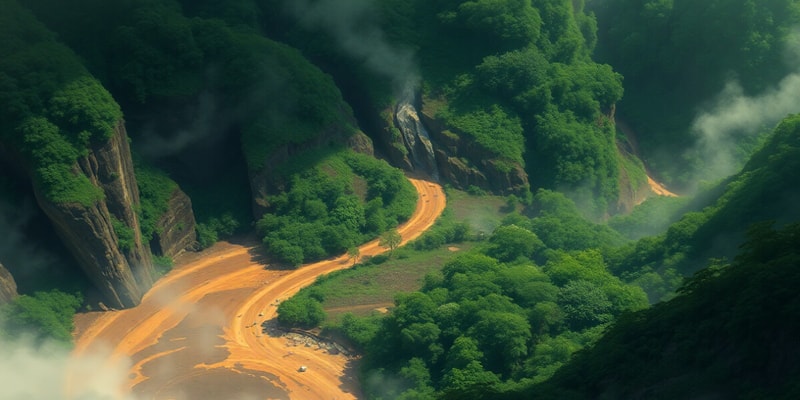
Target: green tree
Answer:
[[354, 254], [503, 338], [301, 311], [584, 304], [510, 242], [390, 239]]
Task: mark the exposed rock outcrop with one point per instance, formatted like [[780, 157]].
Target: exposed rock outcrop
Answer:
[[175, 230], [122, 275], [458, 160], [392, 140], [464, 163], [8, 287]]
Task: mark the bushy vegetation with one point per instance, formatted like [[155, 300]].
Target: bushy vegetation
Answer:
[[54, 110], [730, 333], [45, 315], [728, 209], [333, 200], [678, 55], [483, 322], [514, 309], [155, 190], [520, 83]]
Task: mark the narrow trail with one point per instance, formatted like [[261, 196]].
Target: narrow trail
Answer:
[[200, 334]]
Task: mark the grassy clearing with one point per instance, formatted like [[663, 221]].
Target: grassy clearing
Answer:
[[378, 284], [357, 289], [482, 212]]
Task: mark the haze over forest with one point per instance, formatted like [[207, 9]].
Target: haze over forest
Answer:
[[621, 176]]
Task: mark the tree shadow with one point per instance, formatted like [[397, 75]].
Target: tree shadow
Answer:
[[349, 380]]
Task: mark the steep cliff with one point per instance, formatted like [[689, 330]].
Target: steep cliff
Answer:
[[175, 230], [463, 162], [8, 287], [105, 237]]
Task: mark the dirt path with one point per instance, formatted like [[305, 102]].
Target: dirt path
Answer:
[[199, 333]]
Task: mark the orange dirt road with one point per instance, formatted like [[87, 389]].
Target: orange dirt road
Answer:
[[199, 332]]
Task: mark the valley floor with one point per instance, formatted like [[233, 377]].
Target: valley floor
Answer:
[[202, 331]]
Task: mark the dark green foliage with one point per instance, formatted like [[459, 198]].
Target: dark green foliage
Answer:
[[155, 190], [677, 55], [125, 234], [334, 200], [302, 103], [53, 109], [482, 322], [42, 314], [509, 242], [736, 203], [214, 228], [732, 333], [559, 224], [491, 70]]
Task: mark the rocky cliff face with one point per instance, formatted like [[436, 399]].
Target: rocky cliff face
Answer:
[[122, 275], [464, 163], [8, 287], [175, 230]]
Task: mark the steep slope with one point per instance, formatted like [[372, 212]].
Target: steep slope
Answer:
[[67, 132], [768, 188], [732, 333], [506, 89], [105, 236]]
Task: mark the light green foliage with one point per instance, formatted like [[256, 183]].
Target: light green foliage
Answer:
[[163, 264], [485, 322], [492, 128], [321, 213], [85, 111], [301, 311], [390, 239], [54, 160], [579, 156], [43, 314], [510, 242]]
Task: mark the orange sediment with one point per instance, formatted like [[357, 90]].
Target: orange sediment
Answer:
[[200, 327]]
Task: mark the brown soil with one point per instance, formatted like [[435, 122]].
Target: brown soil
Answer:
[[658, 188], [200, 332]]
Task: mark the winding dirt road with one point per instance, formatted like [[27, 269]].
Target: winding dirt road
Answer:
[[199, 332]]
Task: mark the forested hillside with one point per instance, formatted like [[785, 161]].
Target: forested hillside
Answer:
[[705, 81], [134, 131]]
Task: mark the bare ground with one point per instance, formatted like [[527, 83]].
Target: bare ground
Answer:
[[200, 331]]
